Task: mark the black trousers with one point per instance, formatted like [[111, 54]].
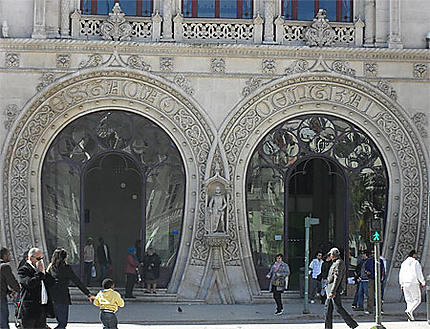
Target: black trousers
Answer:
[[336, 302], [33, 317], [277, 297], [130, 280]]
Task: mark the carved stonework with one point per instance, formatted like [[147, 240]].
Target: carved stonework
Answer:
[[421, 122], [268, 66], [137, 62], [342, 67], [251, 85], [116, 27], [298, 66], [182, 82], [115, 60], [11, 60], [218, 65], [45, 80], [11, 113], [387, 88], [63, 61], [370, 70], [320, 33], [166, 64], [420, 71], [92, 61]]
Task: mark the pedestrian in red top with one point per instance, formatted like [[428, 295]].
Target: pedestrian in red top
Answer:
[[131, 263]]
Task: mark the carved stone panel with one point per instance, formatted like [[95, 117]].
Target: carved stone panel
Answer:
[[11, 60]]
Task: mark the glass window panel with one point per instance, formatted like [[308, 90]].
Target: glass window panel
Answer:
[[346, 10], [247, 9], [228, 9], [287, 9], [206, 8], [128, 7], [305, 10], [187, 8], [330, 7]]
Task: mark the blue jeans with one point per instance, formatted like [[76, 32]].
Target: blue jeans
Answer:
[[4, 314], [61, 314], [108, 320], [362, 290]]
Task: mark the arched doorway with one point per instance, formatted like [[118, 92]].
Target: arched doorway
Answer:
[[115, 175], [316, 165]]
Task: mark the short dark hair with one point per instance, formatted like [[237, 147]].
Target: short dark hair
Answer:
[[412, 252], [3, 252], [279, 255], [107, 283]]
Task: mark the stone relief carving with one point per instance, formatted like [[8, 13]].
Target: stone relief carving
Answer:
[[342, 67], [10, 114], [94, 85], [166, 64], [387, 88], [298, 66], [320, 65], [63, 61], [115, 60], [116, 27], [420, 70], [11, 60], [320, 33], [182, 82], [45, 80], [218, 65], [370, 69], [421, 122], [268, 66], [251, 85], [383, 113], [216, 220]]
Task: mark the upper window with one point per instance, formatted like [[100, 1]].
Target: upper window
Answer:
[[305, 10], [217, 8], [129, 7]]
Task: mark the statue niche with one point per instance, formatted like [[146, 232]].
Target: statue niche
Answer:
[[217, 196]]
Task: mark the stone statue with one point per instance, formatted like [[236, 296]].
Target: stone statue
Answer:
[[216, 208]]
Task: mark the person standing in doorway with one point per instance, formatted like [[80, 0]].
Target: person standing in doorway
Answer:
[[325, 267], [277, 275], [8, 286], [131, 263], [363, 281], [103, 258], [151, 268], [315, 268], [336, 276], [410, 278], [89, 258]]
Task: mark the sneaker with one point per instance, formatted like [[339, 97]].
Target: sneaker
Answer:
[[354, 307], [368, 312], [312, 301], [410, 316], [280, 312]]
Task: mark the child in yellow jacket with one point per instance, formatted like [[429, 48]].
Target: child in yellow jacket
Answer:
[[108, 300]]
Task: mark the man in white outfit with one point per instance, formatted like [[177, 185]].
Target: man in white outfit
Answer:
[[410, 278]]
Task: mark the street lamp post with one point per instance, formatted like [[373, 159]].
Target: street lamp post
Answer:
[[308, 223]]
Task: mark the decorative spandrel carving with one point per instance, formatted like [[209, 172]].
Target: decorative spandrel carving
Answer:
[[298, 66], [10, 114], [421, 122], [185, 84], [387, 88], [116, 60], [137, 62], [218, 65], [320, 65], [268, 66], [370, 70], [320, 33], [251, 85], [45, 80], [12, 60], [420, 70], [342, 67], [166, 64], [116, 27], [63, 61]]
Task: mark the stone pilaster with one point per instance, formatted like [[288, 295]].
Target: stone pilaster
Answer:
[[369, 30], [269, 14], [167, 20], [39, 25], [65, 19], [395, 38]]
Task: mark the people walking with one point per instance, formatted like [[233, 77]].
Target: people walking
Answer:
[[336, 276], [363, 281], [62, 274], [8, 286], [410, 278], [89, 260], [108, 300], [131, 263], [325, 267], [315, 268], [369, 267], [103, 259], [151, 269], [35, 299], [278, 274]]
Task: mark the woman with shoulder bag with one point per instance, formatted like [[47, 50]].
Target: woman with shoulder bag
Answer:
[[62, 274], [278, 275]]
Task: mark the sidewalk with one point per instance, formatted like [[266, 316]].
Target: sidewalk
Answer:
[[167, 314]]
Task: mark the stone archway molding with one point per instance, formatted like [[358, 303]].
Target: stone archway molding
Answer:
[[81, 93], [358, 102]]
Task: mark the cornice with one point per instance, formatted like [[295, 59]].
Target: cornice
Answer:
[[208, 49]]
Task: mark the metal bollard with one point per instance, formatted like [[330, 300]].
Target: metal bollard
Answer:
[[428, 298]]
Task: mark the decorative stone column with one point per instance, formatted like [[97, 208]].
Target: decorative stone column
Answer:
[[395, 39], [156, 27], [258, 29], [369, 18], [65, 19], [178, 28], [269, 14], [39, 23], [167, 20], [381, 33], [279, 28], [359, 26], [76, 25]]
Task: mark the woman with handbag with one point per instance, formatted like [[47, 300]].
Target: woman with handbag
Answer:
[[278, 275], [62, 274]]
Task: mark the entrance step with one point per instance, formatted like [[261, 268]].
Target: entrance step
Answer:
[[141, 297], [266, 297]]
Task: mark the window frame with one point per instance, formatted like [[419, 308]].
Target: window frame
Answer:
[[295, 13], [217, 15], [139, 8]]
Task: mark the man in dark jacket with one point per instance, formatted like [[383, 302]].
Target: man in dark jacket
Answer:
[[336, 276], [103, 258], [36, 303], [7, 280], [369, 267]]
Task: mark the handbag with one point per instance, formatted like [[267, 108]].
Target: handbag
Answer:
[[279, 282], [93, 271]]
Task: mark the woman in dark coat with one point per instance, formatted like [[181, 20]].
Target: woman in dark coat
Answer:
[[151, 269], [278, 274], [62, 274]]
